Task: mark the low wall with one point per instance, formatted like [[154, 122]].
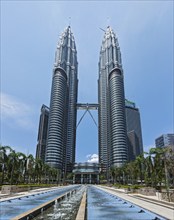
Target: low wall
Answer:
[[27, 188], [167, 196], [130, 190], [147, 191], [163, 195], [8, 189]]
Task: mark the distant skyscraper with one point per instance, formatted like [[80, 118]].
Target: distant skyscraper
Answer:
[[165, 140], [42, 133], [133, 124], [112, 122], [60, 151]]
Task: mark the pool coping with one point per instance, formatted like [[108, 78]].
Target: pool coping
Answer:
[[82, 209]]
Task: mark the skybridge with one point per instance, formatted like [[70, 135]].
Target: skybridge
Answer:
[[87, 107]]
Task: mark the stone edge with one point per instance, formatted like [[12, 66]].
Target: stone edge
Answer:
[[82, 209]]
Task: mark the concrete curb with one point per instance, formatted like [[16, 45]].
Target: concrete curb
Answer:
[[154, 201], [82, 209]]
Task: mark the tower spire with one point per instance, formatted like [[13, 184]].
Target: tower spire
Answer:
[[69, 21], [108, 21]]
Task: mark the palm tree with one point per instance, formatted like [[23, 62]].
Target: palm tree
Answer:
[[28, 170], [139, 163], [22, 158], [159, 165], [38, 168], [3, 160], [46, 171], [112, 173], [156, 167], [14, 162], [53, 174], [148, 175], [131, 172], [17, 167], [118, 174], [169, 162]]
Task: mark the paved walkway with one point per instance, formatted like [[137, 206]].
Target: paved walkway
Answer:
[[4, 197], [164, 209]]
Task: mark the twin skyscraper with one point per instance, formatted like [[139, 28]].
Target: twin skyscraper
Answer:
[[118, 121]]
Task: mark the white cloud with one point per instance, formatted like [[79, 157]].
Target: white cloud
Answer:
[[92, 158], [16, 112]]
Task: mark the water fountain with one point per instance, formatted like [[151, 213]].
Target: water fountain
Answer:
[[99, 205], [102, 205], [16, 206], [65, 209]]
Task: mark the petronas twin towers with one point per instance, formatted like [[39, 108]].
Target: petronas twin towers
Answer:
[[112, 123], [61, 136], [60, 149]]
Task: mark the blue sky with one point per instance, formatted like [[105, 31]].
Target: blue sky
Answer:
[[29, 34]]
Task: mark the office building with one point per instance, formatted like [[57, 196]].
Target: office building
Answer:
[[42, 133], [165, 140], [60, 150], [119, 127], [113, 149], [134, 133]]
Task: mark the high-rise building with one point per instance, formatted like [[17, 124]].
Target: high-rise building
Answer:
[[165, 140], [60, 150], [42, 133], [134, 133], [113, 149]]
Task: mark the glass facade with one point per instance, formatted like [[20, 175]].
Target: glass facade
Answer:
[[86, 173], [165, 140], [112, 125], [134, 133], [56, 129], [59, 143], [60, 151], [117, 119], [42, 133]]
